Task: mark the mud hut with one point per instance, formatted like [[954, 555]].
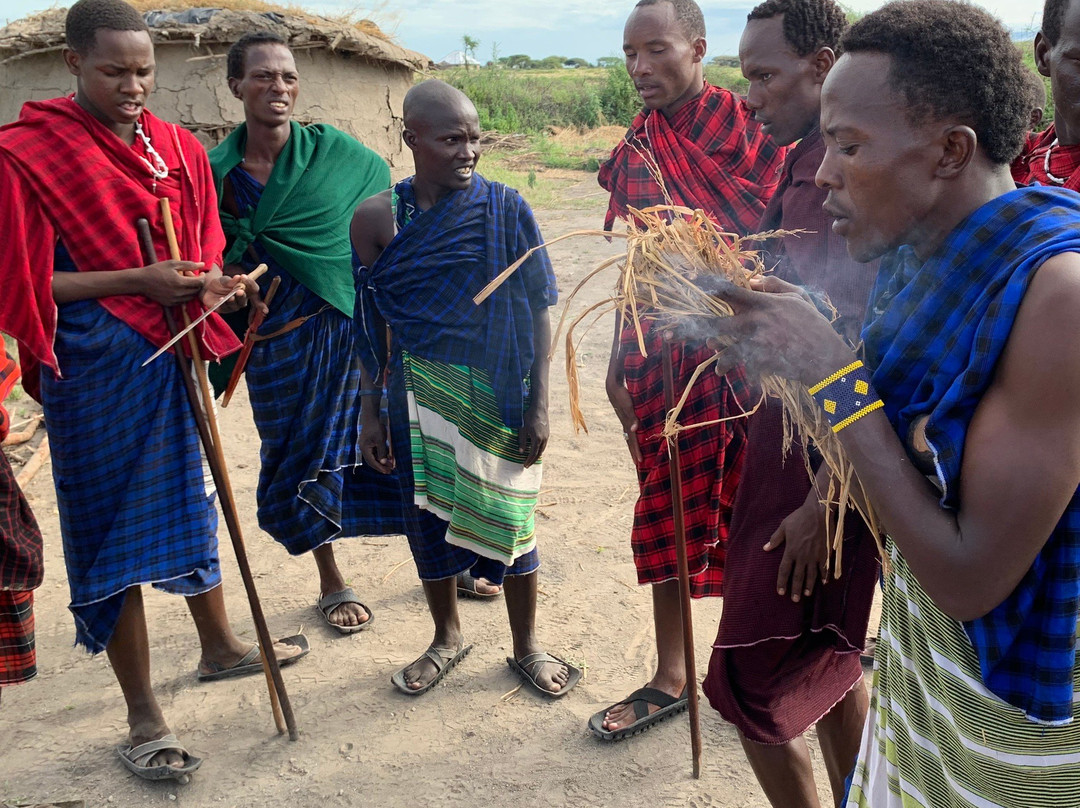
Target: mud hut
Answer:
[[352, 76]]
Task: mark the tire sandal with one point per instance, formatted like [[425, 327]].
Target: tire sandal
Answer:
[[467, 588], [644, 720], [535, 661], [328, 604], [135, 760], [443, 665]]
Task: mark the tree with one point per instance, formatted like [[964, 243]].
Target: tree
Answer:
[[551, 62], [576, 61], [609, 61], [518, 61], [469, 45], [495, 60]]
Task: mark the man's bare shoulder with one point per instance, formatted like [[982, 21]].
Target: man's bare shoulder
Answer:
[[1041, 352], [372, 226]]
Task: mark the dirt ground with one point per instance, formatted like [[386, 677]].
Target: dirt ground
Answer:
[[474, 740]]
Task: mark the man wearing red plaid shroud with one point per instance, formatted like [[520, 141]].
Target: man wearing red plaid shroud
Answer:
[[1052, 157], [697, 146], [20, 559], [75, 175]]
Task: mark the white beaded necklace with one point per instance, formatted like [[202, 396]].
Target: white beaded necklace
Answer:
[[1046, 165], [157, 168]]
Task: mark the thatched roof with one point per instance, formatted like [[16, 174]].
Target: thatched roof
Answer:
[[44, 32]]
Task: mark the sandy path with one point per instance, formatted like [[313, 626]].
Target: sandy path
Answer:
[[362, 743]]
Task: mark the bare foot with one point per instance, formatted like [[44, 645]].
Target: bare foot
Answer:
[[622, 716]]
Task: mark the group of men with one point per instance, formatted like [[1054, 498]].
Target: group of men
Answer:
[[387, 402]]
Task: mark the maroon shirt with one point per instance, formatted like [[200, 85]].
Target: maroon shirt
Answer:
[[819, 258]]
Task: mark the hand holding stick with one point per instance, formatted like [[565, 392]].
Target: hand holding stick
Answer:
[[249, 341], [206, 421]]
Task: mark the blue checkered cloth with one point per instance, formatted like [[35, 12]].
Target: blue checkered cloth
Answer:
[[304, 388], [934, 335], [424, 282], [128, 468]]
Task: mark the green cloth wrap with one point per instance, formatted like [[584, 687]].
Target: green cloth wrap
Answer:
[[303, 218]]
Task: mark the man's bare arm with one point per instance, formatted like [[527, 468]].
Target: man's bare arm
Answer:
[[1021, 458]]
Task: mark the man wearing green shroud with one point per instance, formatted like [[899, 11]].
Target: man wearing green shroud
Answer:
[[287, 193]]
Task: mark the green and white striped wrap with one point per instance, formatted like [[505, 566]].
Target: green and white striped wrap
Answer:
[[936, 736], [467, 467]]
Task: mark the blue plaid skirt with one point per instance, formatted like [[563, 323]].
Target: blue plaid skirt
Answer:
[[304, 388], [134, 507]]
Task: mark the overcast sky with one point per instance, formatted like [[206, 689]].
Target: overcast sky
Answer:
[[585, 28]]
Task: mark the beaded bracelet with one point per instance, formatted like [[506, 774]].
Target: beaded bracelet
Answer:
[[846, 396]]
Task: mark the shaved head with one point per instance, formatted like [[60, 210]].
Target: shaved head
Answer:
[[435, 100]]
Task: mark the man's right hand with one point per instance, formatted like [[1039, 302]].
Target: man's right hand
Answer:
[[373, 445], [167, 283], [624, 408]]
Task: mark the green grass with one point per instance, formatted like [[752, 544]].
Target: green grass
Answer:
[[532, 101]]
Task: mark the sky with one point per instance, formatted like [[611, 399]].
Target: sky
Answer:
[[571, 28]]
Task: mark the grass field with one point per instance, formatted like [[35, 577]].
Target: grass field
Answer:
[[534, 101]]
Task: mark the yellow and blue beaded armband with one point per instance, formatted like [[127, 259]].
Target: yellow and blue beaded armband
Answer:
[[846, 396]]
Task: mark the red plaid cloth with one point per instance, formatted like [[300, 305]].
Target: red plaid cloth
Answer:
[[63, 175], [20, 539], [1030, 166], [712, 458], [18, 660], [9, 374], [711, 155]]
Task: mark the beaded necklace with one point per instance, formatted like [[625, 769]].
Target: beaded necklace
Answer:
[[157, 168], [1046, 165]]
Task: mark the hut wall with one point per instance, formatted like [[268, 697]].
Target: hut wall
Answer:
[[358, 96]]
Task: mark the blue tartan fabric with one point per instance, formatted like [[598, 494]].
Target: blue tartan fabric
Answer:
[[134, 507], [304, 388], [424, 282], [934, 337]]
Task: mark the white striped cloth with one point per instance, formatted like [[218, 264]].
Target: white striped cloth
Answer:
[[936, 737]]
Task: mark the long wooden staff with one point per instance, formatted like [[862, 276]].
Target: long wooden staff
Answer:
[[675, 471], [215, 457]]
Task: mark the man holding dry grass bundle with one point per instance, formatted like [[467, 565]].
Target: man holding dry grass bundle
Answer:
[[787, 652], [694, 145], [964, 424]]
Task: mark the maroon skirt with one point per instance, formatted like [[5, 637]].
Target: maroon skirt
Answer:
[[777, 667]]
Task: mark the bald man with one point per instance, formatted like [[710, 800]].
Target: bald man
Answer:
[[468, 384]]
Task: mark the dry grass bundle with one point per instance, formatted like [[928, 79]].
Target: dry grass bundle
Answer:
[[675, 259]]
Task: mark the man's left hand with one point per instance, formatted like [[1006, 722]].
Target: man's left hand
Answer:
[[217, 286], [533, 436]]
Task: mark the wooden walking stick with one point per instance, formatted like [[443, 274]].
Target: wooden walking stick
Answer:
[[675, 471], [215, 457]]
